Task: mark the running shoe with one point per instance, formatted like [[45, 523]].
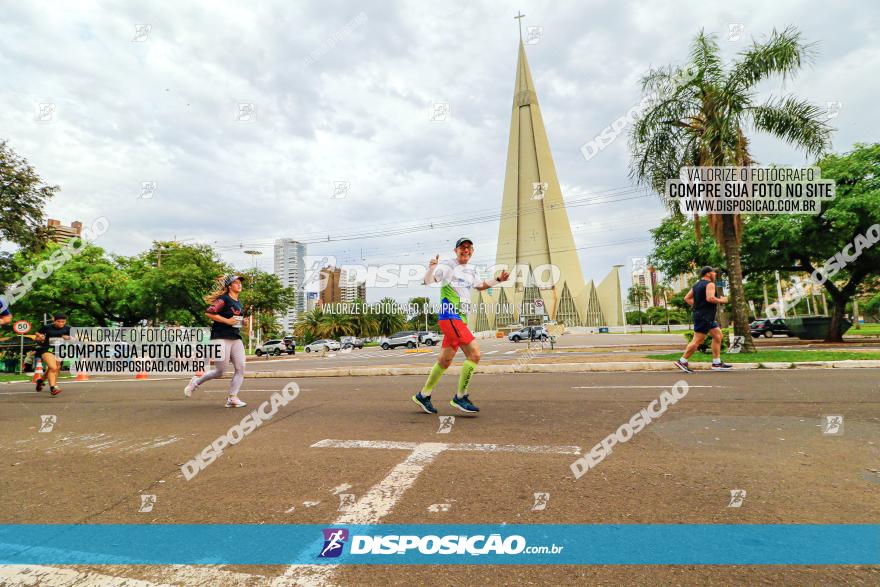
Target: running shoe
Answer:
[[464, 404], [55, 390], [234, 402], [721, 367], [683, 366], [191, 386], [39, 383], [424, 403]]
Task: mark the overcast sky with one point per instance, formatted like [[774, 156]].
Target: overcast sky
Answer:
[[345, 91]]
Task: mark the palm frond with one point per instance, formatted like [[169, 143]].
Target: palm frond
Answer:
[[784, 53], [795, 121], [705, 57]]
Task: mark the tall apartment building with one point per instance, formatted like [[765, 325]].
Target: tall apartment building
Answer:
[[644, 275], [339, 286], [60, 233], [290, 268]]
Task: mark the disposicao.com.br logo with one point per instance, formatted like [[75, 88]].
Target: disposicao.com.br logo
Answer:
[[477, 545]]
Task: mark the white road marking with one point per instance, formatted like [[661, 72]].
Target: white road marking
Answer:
[[32, 575], [381, 498], [637, 386], [339, 489], [490, 352], [509, 352]]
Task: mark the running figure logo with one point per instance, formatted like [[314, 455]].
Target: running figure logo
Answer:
[[47, 422], [737, 497], [147, 503], [832, 425], [541, 500], [346, 501], [446, 423], [334, 540], [539, 189], [736, 344]]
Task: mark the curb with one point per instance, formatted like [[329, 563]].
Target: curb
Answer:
[[633, 366]]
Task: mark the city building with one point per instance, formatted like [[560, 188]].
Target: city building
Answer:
[[60, 233], [290, 269], [331, 285], [535, 232], [645, 276], [339, 286]]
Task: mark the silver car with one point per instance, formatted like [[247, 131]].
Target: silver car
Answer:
[[407, 338], [322, 344]]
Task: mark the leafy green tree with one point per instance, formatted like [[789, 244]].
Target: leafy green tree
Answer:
[[265, 297], [169, 281], [637, 295], [806, 243], [700, 120], [417, 320], [22, 198], [90, 287], [677, 250]]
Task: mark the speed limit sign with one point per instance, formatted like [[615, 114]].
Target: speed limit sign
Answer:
[[22, 327], [539, 307]]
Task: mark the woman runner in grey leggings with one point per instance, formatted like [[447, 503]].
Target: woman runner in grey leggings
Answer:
[[227, 314]]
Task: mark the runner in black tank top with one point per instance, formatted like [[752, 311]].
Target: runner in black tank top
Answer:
[[704, 300]]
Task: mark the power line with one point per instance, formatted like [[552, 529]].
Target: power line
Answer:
[[434, 225]]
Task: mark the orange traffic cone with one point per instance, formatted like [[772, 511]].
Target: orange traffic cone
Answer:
[[82, 377], [141, 375], [38, 372]]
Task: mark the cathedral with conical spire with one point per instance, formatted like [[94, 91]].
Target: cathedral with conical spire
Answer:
[[535, 233]]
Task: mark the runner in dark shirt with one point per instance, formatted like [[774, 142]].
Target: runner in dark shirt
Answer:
[[705, 302], [46, 337], [227, 316]]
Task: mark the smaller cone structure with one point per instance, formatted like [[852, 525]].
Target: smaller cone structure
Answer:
[[38, 372]]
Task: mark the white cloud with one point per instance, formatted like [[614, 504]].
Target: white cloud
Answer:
[[164, 110]]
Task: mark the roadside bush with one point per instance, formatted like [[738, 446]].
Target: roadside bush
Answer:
[[706, 347]]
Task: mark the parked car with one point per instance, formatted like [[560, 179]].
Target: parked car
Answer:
[[769, 327], [428, 338], [529, 333], [407, 338], [351, 342], [322, 344], [275, 348]]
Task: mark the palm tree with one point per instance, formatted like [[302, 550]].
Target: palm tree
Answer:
[[636, 294], [663, 291], [700, 120], [388, 320], [337, 325], [365, 323], [310, 326]]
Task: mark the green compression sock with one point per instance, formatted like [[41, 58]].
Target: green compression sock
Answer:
[[467, 369], [433, 377]]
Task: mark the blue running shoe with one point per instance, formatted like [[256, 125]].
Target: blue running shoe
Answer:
[[464, 404], [424, 403]]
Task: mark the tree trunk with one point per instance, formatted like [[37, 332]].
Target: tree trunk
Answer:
[[834, 333], [739, 309]]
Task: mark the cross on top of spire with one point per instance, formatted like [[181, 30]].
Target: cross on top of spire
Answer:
[[519, 16]]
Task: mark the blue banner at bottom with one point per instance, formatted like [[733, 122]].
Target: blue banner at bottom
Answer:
[[417, 544]]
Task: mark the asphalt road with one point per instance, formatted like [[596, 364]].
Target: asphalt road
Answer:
[[759, 431], [573, 347]]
